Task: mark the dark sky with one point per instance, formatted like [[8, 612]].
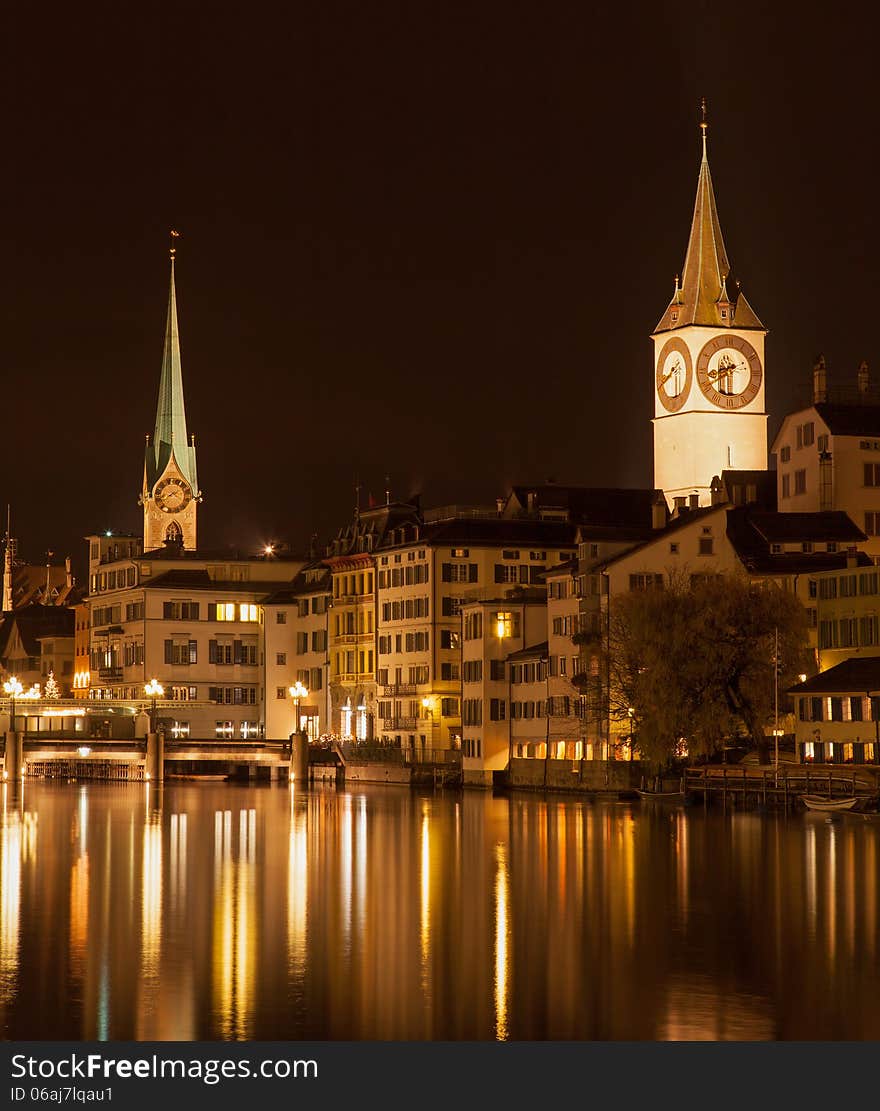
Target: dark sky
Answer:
[[424, 238]]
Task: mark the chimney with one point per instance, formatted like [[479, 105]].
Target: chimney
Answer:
[[694, 501], [864, 378], [530, 502], [716, 490], [820, 381], [68, 572], [658, 512], [499, 505], [678, 506]]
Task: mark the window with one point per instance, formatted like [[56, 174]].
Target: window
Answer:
[[459, 572], [872, 524], [506, 573], [510, 554], [319, 640], [180, 611], [302, 643], [785, 454], [449, 707], [280, 692], [872, 474], [646, 582], [281, 658], [281, 617], [505, 623], [786, 485], [451, 607], [473, 626], [776, 549], [456, 553], [497, 709], [807, 547], [181, 653], [450, 638], [449, 672], [472, 671], [822, 442], [496, 670], [800, 482], [673, 549]]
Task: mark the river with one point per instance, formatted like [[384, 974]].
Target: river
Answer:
[[202, 911]]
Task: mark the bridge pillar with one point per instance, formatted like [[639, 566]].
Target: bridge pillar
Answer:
[[154, 765], [299, 757], [14, 756]]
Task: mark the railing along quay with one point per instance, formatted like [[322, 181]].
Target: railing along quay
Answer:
[[779, 787]]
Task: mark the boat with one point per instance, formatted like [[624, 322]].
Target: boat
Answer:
[[661, 796], [822, 802]]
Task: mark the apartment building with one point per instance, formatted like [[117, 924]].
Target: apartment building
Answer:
[[193, 621], [295, 631]]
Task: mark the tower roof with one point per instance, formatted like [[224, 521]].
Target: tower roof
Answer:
[[703, 293], [170, 436]]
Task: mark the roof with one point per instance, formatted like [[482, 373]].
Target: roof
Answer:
[[301, 586], [170, 437], [859, 674], [185, 578], [584, 505], [29, 586], [35, 621], [703, 289], [850, 420], [764, 483], [683, 518], [824, 526], [534, 650], [500, 530]]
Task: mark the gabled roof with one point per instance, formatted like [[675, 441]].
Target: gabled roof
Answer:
[[822, 527], [185, 578], [34, 622], [764, 483], [703, 289], [684, 518], [301, 586], [751, 533], [585, 505], [850, 420], [500, 530], [858, 675]]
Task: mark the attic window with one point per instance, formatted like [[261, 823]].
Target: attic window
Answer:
[[831, 546], [807, 547], [724, 314], [776, 549], [674, 316]]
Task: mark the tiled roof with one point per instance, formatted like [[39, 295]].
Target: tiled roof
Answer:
[[858, 675], [850, 420], [822, 527], [500, 530], [534, 651], [587, 505]]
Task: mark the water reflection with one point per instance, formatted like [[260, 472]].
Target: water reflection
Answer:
[[225, 912]]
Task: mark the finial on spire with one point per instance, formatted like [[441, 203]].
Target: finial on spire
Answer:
[[172, 250], [704, 124]]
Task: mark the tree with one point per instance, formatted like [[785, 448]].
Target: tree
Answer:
[[51, 689], [695, 661]]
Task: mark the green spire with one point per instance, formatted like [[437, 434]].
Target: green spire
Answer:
[[170, 437]]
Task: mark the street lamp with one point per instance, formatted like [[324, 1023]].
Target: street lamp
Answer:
[[13, 689], [153, 690], [631, 714], [297, 692]]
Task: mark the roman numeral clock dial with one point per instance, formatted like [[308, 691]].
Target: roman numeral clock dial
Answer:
[[674, 374], [729, 372], [172, 495]]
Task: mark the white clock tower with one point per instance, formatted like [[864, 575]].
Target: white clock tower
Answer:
[[170, 493], [708, 366]]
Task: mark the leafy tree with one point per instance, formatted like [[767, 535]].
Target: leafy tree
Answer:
[[694, 661]]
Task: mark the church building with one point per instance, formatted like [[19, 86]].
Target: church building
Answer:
[[709, 412]]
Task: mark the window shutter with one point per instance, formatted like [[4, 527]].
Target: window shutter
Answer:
[[472, 572], [166, 611], [169, 649], [193, 652], [236, 652], [499, 572], [446, 570]]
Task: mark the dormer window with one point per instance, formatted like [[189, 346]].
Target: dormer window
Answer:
[[674, 316]]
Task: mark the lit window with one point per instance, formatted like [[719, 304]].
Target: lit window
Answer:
[[361, 722], [504, 623], [346, 720], [179, 729]]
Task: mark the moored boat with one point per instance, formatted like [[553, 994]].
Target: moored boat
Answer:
[[822, 802]]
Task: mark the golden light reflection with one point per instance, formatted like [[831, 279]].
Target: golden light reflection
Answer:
[[831, 897], [151, 927], [10, 899], [810, 868], [425, 892], [297, 891], [177, 863], [502, 941], [235, 924], [346, 836]]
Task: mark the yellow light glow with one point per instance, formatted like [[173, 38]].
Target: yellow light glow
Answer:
[[154, 689]]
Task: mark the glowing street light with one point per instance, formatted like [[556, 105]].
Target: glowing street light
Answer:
[[297, 693], [153, 690], [13, 689]]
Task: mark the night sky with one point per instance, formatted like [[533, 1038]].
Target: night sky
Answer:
[[429, 239]]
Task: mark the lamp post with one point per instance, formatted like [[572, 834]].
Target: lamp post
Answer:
[[13, 689], [631, 714], [428, 704], [297, 692], [153, 690]]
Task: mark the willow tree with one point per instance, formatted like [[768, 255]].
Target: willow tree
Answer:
[[696, 662]]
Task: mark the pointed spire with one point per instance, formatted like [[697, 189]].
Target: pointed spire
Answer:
[[170, 436], [706, 267]]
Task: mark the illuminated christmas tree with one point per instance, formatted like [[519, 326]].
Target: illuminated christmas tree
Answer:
[[51, 690]]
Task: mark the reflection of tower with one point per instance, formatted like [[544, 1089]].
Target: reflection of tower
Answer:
[[8, 565], [170, 493], [709, 353]]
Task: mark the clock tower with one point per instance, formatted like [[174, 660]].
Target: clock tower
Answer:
[[170, 493], [708, 366]]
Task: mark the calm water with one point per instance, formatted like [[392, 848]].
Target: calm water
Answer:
[[211, 911]]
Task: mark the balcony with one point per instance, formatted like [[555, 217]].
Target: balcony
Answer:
[[397, 689], [389, 724]]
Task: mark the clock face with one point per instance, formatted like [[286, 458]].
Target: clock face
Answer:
[[172, 495], [674, 374], [729, 372]]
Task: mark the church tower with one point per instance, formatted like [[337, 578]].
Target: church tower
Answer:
[[708, 366], [170, 494]]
